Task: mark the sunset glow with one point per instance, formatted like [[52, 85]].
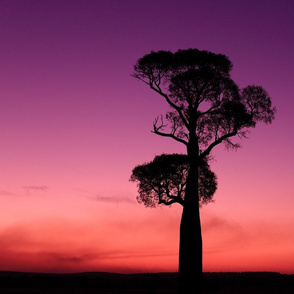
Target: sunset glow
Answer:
[[74, 123]]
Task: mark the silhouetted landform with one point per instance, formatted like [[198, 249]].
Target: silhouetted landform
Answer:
[[220, 283]]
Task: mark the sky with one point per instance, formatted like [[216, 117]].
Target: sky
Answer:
[[74, 123]]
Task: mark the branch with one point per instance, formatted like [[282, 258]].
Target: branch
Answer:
[[215, 106], [174, 199], [171, 135], [173, 105], [170, 198], [216, 142], [138, 76]]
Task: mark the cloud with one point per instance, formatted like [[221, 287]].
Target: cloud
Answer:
[[66, 258], [114, 199], [105, 198], [30, 189], [74, 247], [26, 247], [217, 223], [223, 235], [41, 188], [7, 193]]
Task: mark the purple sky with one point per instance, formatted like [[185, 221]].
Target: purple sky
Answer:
[[74, 123]]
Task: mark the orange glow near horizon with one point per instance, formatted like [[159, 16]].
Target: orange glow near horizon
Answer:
[[112, 241]]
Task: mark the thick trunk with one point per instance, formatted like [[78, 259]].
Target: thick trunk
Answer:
[[190, 255]]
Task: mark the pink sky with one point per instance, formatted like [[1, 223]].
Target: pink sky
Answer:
[[74, 123]]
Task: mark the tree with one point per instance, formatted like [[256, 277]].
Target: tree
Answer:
[[207, 108]]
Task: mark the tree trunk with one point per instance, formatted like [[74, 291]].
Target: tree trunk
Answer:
[[190, 255]]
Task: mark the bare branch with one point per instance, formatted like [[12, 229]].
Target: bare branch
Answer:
[[137, 76], [173, 105], [217, 142], [213, 107], [157, 130], [171, 136]]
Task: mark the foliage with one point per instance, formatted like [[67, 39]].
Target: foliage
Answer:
[[163, 180], [205, 102]]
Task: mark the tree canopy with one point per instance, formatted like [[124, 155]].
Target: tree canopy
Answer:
[[163, 180], [204, 99]]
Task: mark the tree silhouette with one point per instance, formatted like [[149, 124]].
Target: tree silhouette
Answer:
[[163, 180], [207, 108]]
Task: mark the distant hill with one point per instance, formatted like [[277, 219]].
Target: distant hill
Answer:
[[252, 282]]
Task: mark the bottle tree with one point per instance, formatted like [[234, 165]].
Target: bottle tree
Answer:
[[207, 108]]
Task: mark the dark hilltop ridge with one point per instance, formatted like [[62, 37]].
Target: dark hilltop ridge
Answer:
[[156, 283]]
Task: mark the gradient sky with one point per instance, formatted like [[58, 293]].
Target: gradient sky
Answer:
[[74, 123]]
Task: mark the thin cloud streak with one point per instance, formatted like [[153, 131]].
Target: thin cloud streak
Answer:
[[114, 199], [105, 199], [33, 189], [7, 193], [29, 191]]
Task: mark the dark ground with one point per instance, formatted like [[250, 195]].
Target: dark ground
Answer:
[[158, 283]]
